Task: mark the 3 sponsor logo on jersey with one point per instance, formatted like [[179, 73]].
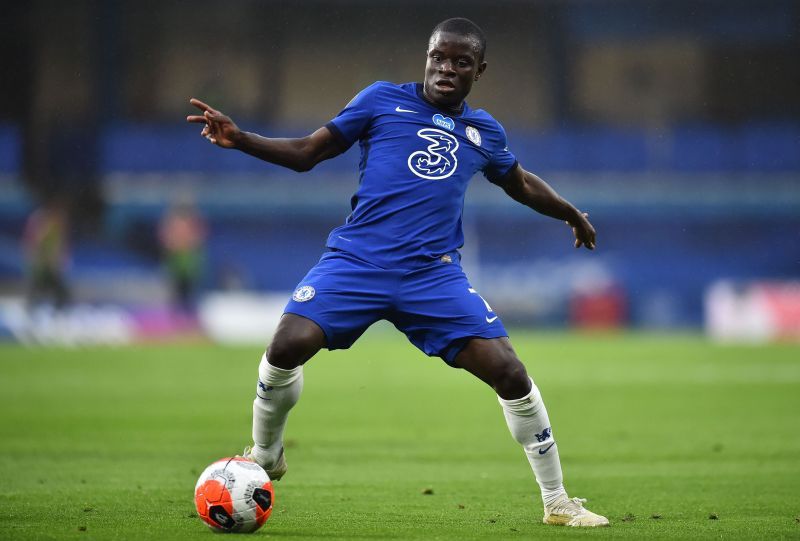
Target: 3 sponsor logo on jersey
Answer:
[[438, 161], [474, 135], [304, 294], [444, 121]]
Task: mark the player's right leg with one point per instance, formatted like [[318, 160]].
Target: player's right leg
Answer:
[[280, 381], [332, 306]]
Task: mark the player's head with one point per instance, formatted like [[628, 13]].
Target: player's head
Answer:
[[455, 61], [463, 27]]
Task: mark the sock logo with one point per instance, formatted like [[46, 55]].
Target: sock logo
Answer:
[[543, 451], [543, 436], [264, 387]]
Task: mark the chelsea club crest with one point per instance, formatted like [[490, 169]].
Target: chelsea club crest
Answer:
[[303, 294], [474, 135]]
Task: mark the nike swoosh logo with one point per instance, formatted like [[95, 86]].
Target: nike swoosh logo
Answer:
[[490, 319], [401, 110], [543, 451]]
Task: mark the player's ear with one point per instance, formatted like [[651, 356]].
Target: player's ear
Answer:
[[481, 69]]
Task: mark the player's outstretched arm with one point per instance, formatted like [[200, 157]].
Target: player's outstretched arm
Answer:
[[528, 189], [299, 154]]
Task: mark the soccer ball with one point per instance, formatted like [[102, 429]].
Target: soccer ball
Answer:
[[234, 495]]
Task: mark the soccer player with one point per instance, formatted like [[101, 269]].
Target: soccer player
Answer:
[[396, 256]]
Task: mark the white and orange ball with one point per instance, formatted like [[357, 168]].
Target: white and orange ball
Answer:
[[234, 495]]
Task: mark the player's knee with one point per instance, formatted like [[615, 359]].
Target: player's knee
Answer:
[[511, 380], [296, 341], [287, 353]]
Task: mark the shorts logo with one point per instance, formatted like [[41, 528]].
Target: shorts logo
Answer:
[[444, 122], [488, 308], [304, 294], [474, 135]]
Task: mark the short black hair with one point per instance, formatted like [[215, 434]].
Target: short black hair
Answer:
[[464, 27]]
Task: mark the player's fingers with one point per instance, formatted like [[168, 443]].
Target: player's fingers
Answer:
[[211, 119], [200, 105], [196, 118], [212, 116]]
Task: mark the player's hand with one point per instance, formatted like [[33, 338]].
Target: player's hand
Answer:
[[583, 231], [218, 128]]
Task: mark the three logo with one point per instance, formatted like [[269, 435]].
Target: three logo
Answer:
[[438, 161]]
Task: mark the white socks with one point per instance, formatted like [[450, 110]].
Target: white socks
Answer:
[[529, 425], [277, 392]]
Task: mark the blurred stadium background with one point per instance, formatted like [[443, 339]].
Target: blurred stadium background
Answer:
[[676, 124]]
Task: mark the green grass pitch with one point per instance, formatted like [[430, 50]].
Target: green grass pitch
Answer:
[[669, 436]]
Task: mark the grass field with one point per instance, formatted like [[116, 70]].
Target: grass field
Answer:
[[670, 437]]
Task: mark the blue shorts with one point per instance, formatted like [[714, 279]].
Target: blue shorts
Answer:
[[434, 305]]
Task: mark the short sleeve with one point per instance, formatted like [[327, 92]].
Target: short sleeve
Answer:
[[501, 161], [351, 123]]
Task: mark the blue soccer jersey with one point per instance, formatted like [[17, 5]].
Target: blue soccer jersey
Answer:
[[416, 162]]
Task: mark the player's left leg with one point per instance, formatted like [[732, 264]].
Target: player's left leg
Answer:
[[495, 362], [444, 316]]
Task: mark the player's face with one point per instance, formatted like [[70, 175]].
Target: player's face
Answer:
[[452, 67]]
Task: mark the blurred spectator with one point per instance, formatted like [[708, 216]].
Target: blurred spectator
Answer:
[[600, 309], [182, 233], [46, 247]]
